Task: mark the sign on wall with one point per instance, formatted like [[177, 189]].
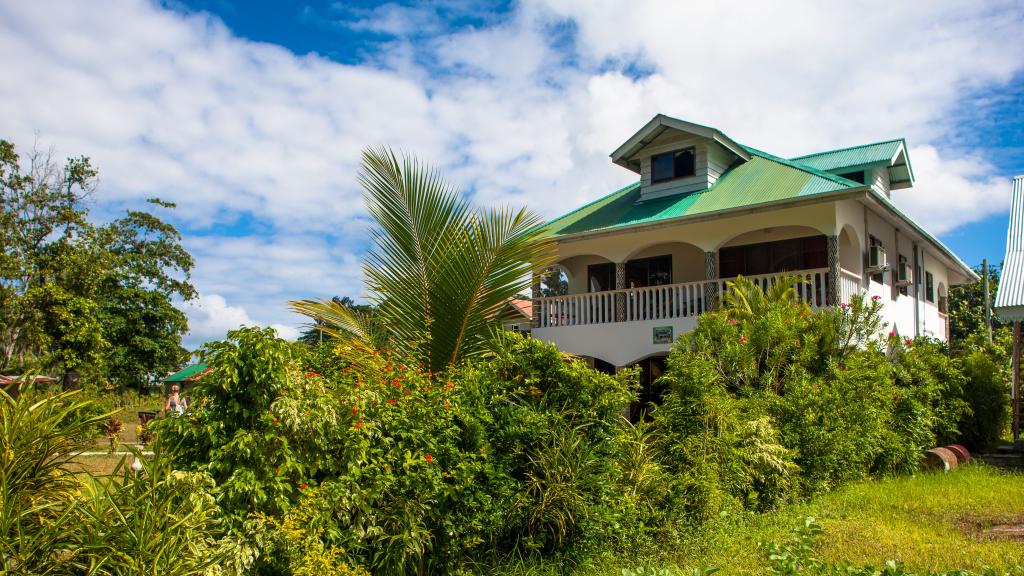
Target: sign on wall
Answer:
[[662, 334]]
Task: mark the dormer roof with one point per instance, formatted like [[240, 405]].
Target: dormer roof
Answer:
[[625, 155], [891, 154]]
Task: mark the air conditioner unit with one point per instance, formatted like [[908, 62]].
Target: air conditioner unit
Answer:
[[876, 259], [904, 274]]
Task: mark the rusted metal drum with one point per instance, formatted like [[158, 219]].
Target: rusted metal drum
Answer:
[[940, 459], [962, 454]]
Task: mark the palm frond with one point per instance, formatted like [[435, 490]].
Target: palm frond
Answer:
[[357, 327]]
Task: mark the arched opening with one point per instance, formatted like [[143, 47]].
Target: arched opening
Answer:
[[773, 250], [664, 263], [588, 273], [554, 281], [849, 251]]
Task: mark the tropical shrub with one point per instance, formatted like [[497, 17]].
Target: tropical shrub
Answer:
[[231, 433], [987, 392], [40, 434]]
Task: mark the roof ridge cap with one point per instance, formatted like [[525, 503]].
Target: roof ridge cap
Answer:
[[900, 139]]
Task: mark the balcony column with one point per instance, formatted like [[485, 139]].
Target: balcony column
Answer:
[[620, 298], [535, 304], [711, 274], [833, 271]]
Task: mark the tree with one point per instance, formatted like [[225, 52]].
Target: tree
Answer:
[[41, 218], [438, 268], [75, 295], [148, 268], [967, 308]]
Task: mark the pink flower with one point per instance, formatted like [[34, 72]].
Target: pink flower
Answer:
[[876, 297], [844, 305], [733, 321], [907, 341], [743, 339], [892, 334]]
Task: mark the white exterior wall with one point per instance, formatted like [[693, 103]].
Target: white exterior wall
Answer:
[[619, 343], [898, 309]]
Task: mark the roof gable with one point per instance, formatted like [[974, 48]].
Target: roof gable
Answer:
[[623, 155]]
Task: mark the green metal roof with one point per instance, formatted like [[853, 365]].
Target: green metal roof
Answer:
[[762, 179], [189, 373], [853, 156]]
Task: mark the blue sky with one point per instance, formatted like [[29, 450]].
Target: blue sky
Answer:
[[251, 115]]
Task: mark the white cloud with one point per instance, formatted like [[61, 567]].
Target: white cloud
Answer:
[[522, 110]]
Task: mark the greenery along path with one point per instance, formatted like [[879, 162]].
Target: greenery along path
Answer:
[[928, 522]]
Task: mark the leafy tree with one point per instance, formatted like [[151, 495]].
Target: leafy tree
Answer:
[[438, 268], [77, 296], [967, 308], [148, 268], [41, 217]]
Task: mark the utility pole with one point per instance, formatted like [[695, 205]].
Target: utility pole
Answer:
[[988, 306]]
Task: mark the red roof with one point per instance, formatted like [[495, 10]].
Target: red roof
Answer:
[[525, 307], [8, 380]]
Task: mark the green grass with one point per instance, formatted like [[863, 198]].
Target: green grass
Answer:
[[930, 522]]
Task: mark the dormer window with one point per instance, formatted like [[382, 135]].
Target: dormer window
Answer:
[[672, 165]]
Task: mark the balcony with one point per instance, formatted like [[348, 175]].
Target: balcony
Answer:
[[677, 301]]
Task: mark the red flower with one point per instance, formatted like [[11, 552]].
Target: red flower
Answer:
[[892, 334], [397, 384], [311, 374], [274, 420], [430, 459], [303, 486], [907, 341], [733, 321], [876, 297], [392, 401], [355, 410], [743, 339], [356, 425], [844, 305]]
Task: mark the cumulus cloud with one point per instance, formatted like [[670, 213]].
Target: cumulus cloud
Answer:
[[210, 318], [521, 109]]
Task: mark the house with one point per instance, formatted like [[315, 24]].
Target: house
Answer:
[[643, 262], [515, 315], [1009, 304]]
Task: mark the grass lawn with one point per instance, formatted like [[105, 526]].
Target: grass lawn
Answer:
[[930, 522]]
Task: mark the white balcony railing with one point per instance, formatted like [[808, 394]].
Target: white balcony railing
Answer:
[[674, 301]]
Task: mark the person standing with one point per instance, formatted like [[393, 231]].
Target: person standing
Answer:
[[175, 404]]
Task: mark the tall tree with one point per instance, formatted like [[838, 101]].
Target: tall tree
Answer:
[[438, 268], [967, 308], [79, 296], [42, 217]]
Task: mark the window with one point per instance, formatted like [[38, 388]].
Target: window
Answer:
[[929, 287], [670, 165], [656, 271], [771, 257], [857, 176], [601, 277]]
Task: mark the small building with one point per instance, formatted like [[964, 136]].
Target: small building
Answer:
[[1009, 304], [187, 375], [516, 315], [642, 263]]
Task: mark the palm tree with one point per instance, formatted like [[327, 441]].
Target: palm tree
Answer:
[[437, 268], [746, 300]]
